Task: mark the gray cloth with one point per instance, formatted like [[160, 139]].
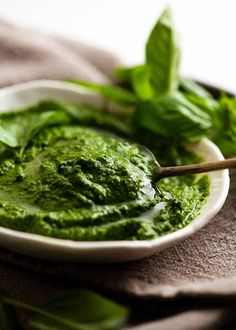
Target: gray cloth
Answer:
[[189, 286], [27, 55]]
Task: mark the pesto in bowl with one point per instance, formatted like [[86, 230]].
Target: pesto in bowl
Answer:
[[80, 176]]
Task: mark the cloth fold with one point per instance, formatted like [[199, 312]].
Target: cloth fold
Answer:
[[189, 286], [28, 55]]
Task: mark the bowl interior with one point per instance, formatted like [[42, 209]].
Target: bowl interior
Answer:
[[26, 94]]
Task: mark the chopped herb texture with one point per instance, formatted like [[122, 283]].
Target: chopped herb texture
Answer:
[[86, 178]]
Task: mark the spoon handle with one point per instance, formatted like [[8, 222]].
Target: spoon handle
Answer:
[[163, 172]]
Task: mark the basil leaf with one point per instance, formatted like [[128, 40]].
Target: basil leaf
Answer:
[[41, 121], [173, 116], [140, 81], [225, 136], [124, 74], [18, 131], [85, 307], [138, 78], [194, 88], [11, 131], [75, 309], [86, 115], [41, 326], [113, 93], [209, 105], [7, 318], [163, 55]]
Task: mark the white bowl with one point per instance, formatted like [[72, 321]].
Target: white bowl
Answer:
[[30, 93]]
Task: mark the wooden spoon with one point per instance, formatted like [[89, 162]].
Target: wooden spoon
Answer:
[[164, 172]]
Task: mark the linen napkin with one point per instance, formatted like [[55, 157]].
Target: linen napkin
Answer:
[[189, 286]]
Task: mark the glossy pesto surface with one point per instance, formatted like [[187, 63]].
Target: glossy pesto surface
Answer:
[[85, 178]]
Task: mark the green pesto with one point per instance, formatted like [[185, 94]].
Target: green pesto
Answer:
[[88, 180]]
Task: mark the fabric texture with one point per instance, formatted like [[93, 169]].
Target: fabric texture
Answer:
[[189, 286]]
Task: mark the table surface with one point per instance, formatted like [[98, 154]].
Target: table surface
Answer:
[[207, 29]]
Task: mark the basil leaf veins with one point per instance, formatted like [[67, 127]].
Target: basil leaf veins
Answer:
[[76, 309], [163, 55]]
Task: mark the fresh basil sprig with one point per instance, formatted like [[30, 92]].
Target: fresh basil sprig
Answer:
[[76, 309], [160, 100], [168, 104]]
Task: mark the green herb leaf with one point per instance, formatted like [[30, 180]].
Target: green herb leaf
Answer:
[[225, 135], [163, 55], [140, 81], [208, 105], [213, 108], [76, 309], [194, 88], [124, 74], [9, 133], [42, 326], [41, 121], [160, 74], [173, 116], [113, 93], [138, 78], [18, 131], [7, 318], [86, 115]]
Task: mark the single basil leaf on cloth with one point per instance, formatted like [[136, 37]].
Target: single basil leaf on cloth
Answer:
[[42, 326], [163, 55], [76, 309], [7, 318], [173, 116], [84, 307], [17, 131], [113, 93]]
